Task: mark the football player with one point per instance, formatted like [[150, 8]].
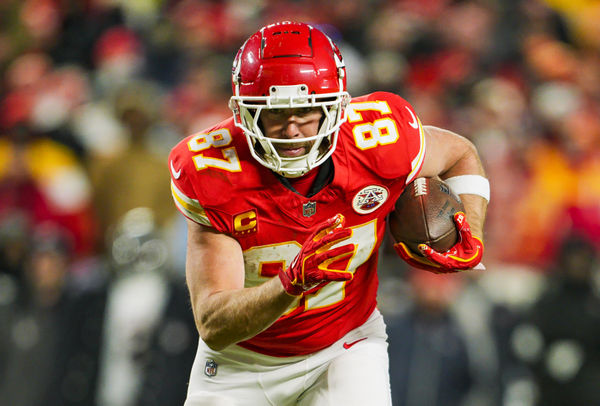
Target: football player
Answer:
[[286, 204]]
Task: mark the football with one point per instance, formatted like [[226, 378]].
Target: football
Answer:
[[424, 214]]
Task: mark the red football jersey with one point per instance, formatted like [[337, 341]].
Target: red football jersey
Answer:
[[217, 183]]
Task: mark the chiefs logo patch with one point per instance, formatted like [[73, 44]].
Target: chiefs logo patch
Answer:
[[369, 199]]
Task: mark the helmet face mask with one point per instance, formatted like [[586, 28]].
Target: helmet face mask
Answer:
[[289, 66]]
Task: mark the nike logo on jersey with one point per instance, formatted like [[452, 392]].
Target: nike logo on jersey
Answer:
[[414, 123], [176, 174], [348, 345]]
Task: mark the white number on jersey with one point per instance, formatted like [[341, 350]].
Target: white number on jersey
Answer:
[[258, 259], [216, 139]]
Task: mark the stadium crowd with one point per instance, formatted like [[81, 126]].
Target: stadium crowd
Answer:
[[94, 93]]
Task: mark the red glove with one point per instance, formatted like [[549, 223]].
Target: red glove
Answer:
[[310, 267], [465, 254]]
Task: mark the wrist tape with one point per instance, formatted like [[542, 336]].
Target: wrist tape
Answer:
[[470, 184]]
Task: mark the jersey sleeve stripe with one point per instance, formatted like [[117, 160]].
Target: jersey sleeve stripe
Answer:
[[418, 161], [189, 207]]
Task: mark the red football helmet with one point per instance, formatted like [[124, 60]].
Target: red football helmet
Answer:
[[289, 65]]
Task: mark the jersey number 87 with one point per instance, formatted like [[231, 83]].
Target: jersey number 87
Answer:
[[259, 259]]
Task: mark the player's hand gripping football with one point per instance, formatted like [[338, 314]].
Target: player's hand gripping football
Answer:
[[311, 266], [465, 254]]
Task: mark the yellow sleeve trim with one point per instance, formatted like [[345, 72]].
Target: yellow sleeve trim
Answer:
[[189, 207]]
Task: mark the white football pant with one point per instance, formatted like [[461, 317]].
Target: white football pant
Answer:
[[354, 371]]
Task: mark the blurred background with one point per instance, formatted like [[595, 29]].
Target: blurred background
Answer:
[[93, 94]]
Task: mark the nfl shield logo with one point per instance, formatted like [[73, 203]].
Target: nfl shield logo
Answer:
[[308, 209], [210, 369]]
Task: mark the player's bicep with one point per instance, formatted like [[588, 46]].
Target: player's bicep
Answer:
[[445, 150], [214, 262]]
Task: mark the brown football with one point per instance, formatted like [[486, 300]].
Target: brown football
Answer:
[[424, 214]]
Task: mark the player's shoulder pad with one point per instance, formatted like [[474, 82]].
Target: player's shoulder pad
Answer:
[[385, 134], [207, 166]]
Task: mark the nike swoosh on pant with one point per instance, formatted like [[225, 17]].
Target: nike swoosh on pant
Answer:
[[348, 345]]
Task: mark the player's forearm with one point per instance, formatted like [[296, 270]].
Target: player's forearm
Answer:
[[475, 209], [468, 163], [231, 316]]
